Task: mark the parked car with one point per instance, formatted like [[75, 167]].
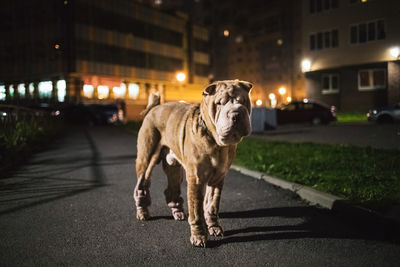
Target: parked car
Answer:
[[92, 114], [386, 114], [306, 111]]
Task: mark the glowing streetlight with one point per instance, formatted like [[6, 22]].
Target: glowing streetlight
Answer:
[[226, 33], [259, 102], [305, 65], [282, 90], [271, 96], [181, 76], [394, 52], [288, 99]]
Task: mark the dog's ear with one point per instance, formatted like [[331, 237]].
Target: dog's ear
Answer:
[[246, 85], [210, 90]]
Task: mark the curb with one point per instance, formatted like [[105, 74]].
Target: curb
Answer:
[[307, 193], [360, 216]]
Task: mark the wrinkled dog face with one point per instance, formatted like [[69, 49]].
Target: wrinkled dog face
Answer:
[[229, 109]]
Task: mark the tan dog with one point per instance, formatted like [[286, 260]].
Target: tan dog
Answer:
[[202, 140]]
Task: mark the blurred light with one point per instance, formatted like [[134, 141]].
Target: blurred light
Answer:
[[2, 93], [61, 90], [45, 89], [288, 99], [4, 114], [182, 101], [394, 52], [271, 96], [88, 90], [239, 39], [279, 42], [11, 90], [133, 90], [21, 89], [305, 65], [31, 88], [119, 92], [305, 100], [226, 33], [102, 91], [158, 2], [273, 103], [65, 2], [363, 1], [259, 102], [181, 76], [282, 90], [57, 46]]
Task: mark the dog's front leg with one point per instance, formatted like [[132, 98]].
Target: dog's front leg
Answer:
[[198, 232], [211, 209]]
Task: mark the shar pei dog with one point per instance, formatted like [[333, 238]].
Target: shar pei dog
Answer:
[[199, 140]]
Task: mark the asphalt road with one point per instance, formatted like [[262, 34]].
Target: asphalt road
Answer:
[[386, 136], [71, 204]]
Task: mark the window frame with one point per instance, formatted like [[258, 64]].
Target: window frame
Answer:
[[367, 32], [330, 90], [371, 86], [333, 40]]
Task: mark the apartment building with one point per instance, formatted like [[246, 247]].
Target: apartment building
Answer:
[[87, 51], [351, 52]]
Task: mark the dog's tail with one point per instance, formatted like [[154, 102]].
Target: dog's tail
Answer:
[[154, 100]]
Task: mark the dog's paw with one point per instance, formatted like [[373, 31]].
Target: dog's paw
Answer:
[[179, 215], [216, 230], [198, 240], [142, 214]]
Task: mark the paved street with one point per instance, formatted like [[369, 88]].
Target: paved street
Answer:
[[72, 205], [386, 136]]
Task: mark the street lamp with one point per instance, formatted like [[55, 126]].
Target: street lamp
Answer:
[[181, 77], [259, 102], [305, 65], [282, 90], [394, 52]]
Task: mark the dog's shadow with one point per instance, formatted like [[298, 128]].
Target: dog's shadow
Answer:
[[316, 223]]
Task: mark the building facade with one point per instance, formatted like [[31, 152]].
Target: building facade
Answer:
[[258, 41], [351, 52], [86, 51]]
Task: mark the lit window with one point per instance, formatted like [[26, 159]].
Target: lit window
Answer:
[[2, 93], [21, 90], [133, 90], [88, 90], [31, 89], [371, 79], [11, 90], [330, 83], [119, 92], [45, 89], [102, 91], [61, 90]]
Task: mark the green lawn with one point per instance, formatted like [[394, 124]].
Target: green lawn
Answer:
[[352, 117], [362, 175], [18, 138]]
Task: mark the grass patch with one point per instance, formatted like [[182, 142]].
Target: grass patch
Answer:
[[19, 138], [362, 175], [351, 117]]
